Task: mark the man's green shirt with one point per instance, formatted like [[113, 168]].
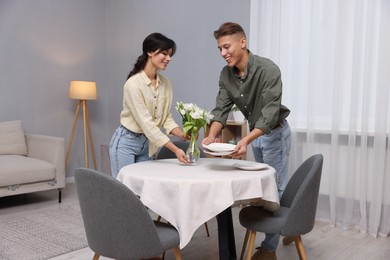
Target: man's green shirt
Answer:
[[257, 94]]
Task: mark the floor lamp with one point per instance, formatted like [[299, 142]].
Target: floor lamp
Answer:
[[82, 91]]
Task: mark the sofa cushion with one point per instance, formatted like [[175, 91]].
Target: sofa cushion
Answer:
[[17, 169], [12, 140]]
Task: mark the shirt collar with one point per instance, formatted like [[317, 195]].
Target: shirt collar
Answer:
[[250, 62], [148, 82]]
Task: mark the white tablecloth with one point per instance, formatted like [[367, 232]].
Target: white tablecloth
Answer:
[[187, 196]]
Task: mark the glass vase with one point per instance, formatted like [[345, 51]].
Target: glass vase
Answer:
[[193, 152]]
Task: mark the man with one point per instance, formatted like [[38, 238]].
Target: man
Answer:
[[254, 85]]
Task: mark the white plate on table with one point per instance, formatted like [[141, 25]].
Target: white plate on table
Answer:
[[220, 147], [250, 166]]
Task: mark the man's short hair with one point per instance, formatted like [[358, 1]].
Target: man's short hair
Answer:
[[229, 28]]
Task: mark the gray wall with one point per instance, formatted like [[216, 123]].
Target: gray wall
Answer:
[[44, 44]]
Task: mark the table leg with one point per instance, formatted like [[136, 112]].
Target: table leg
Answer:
[[227, 245]]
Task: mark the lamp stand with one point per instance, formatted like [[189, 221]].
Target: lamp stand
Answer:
[[87, 126]]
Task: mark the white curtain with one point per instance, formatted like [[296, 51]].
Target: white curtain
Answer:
[[335, 62]]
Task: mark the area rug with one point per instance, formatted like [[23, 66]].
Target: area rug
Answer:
[[42, 235]]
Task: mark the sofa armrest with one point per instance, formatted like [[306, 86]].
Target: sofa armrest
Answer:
[[50, 149]]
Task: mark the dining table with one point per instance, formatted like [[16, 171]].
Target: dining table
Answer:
[[188, 195]]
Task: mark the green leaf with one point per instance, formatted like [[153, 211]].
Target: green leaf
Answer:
[[187, 126]]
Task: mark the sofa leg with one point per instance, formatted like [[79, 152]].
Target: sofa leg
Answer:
[[59, 195]]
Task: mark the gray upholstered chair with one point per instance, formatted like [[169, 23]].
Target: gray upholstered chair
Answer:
[[298, 206], [165, 153], [116, 222]]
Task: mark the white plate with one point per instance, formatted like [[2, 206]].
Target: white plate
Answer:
[[220, 147], [250, 166], [218, 153]]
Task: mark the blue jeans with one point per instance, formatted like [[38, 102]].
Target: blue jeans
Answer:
[[127, 147], [274, 150]]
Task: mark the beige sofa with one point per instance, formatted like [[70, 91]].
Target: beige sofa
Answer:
[[28, 162]]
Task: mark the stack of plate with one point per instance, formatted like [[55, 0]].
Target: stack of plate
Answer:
[[219, 149]]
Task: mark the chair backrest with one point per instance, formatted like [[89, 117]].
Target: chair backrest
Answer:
[[301, 196], [116, 222], [165, 153]]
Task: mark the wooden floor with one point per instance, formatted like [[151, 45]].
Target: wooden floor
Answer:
[[323, 242]]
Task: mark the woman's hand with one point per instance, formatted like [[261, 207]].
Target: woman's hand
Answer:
[[179, 133], [187, 136], [181, 156]]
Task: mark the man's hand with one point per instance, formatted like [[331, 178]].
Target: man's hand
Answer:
[[241, 146], [208, 140], [214, 129], [240, 149]]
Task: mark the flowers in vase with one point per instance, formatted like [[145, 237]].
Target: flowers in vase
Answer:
[[194, 118]]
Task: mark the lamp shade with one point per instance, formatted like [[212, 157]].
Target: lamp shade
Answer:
[[82, 90]]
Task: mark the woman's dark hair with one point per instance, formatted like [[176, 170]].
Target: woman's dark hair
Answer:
[[152, 43]]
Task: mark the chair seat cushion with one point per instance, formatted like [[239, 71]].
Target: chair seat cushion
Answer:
[[18, 169], [169, 237], [256, 218]]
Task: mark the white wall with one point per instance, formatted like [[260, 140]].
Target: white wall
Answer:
[[44, 44]]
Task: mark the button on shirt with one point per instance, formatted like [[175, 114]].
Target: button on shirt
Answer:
[[146, 109], [257, 94]]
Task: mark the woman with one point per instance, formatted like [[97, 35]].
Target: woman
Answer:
[[147, 101]]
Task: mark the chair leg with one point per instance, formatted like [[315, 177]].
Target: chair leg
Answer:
[[176, 252], [207, 229], [244, 244], [163, 256], [300, 248], [288, 240], [158, 218], [251, 245], [96, 256], [59, 195]]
